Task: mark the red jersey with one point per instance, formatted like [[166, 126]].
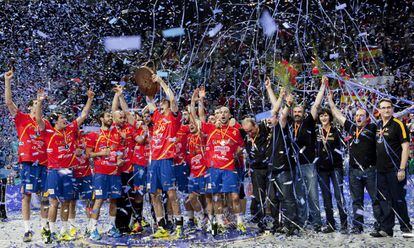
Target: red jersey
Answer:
[[196, 148], [142, 152], [181, 144], [164, 135], [221, 145], [60, 144], [80, 163], [127, 146], [32, 146], [100, 141]]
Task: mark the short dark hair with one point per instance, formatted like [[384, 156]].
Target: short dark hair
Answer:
[[322, 111], [385, 100], [54, 117], [102, 115]]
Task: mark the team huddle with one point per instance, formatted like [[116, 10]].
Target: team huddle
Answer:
[[164, 154]]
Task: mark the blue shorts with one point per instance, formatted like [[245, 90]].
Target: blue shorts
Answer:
[[107, 186], [222, 181], [182, 172], [83, 188], [60, 184], [33, 178], [140, 179], [161, 176], [197, 185]]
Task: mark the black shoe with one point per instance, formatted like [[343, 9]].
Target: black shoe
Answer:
[[276, 229], [317, 229], [380, 234], [406, 230], [357, 230], [291, 231], [328, 229], [344, 230]]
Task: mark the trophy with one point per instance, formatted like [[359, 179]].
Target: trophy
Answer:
[[143, 78]]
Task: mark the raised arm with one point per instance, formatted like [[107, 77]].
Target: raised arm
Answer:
[[319, 97], [125, 108], [87, 108], [8, 95], [115, 100], [168, 92], [193, 114], [276, 102], [201, 109], [286, 110], [38, 115], [335, 111]]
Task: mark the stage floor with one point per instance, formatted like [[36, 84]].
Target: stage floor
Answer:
[[11, 233]]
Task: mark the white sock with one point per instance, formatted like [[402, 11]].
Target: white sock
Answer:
[[64, 227], [26, 225], [72, 222], [92, 224], [239, 219], [219, 218], [112, 220], [52, 226], [44, 222]]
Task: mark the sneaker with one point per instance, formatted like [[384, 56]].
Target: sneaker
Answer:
[[241, 228], [328, 229], [221, 229], [86, 233], [178, 232], [46, 236], [144, 223], [65, 236], [406, 230], [291, 231], [95, 235], [28, 236], [136, 228], [114, 232], [379, 234], [73, 231], [160, 233]]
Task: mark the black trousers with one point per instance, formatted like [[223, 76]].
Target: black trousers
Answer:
[[391, 196], [124, 204], [281, 193], [259, 182], [336, 178], [358, 180]]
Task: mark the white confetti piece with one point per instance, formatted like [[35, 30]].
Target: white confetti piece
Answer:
[[122, 43], [340, 7], [268, 24], [173, 32], [215, 30]]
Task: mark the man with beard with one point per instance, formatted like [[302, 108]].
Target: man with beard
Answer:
[[392, 158], [303, 134], [362, 159], [61, 140], [104, 149], [32, 157]]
